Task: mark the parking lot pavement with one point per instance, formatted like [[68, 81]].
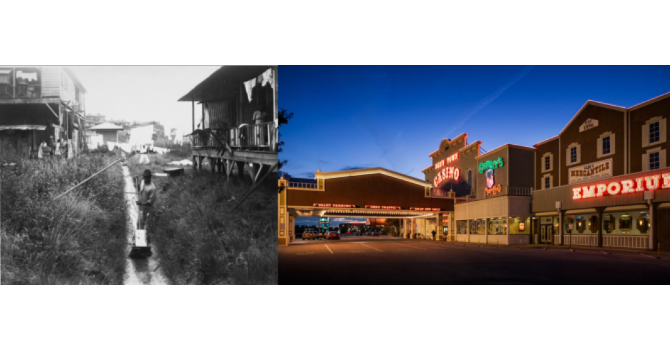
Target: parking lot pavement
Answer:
[[387, 260]]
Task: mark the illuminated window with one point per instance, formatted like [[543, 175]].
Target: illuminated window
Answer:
[[654, 161], [547, 164], [654, 134], [606, 145], [547, 182], [573, 155]]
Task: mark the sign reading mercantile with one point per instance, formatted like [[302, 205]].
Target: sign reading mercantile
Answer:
[[591, 171]]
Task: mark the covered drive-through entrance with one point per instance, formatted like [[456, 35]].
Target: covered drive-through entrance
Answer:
[[365, 193]]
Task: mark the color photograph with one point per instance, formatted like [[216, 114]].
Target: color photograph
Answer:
[[475, 175]]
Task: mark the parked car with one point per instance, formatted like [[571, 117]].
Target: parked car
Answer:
[[332, 235], [374, 234], [309, 234], [318, 235]]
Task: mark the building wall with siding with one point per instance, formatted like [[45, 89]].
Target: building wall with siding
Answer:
[[500, 175], [466, 161], [522, 165], [550, 147], [638, 118], [608, 120]]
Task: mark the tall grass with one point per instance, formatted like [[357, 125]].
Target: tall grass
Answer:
[[198, 240], [77, 239]]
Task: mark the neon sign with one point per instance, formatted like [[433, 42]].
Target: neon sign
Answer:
[[490, 164], [381, 207], [494, 190], [640, 184], [445, 174], [328, 205], [448, 160], [424, 209]]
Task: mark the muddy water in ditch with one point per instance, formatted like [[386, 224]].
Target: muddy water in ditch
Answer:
[[138, 271]]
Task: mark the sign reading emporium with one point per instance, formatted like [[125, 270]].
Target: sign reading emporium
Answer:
[[591, 171], [490, 164], [640, 184]]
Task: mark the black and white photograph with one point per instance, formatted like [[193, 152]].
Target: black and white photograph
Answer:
[[138, 174]]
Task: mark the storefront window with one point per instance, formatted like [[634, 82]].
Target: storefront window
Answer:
[[581, 224], [519, 226], [497, 226], [626, 223], [478, 227], [461, 227], [593, 224], [569, 224]]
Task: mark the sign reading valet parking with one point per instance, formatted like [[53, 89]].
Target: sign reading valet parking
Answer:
[[591, 171]]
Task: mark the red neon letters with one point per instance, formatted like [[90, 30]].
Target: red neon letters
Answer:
[[451, 158], [382, 207], [328, 205], [445, 174], [640, 184]]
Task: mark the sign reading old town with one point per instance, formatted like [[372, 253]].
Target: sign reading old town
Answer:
[[640, 184], [448, 160], [588, 124], [490, 164], [591, 171]]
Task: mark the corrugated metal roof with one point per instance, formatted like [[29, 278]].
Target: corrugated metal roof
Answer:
[[106, 126], [225, 81], [23, 127]]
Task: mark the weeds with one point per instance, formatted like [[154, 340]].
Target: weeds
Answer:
[[77, 239], [198, 240]]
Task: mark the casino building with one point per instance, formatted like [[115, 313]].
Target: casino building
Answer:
[[490, 206], [602, 181]]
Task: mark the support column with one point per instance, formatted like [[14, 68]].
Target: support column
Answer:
[[200, 159], [600, 210], [561, 240], [240, 169], [653, 237], [282, 214], [439, 227], [212, 164], [229, 168]]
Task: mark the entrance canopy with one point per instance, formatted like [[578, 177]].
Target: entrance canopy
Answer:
[[365, 193]]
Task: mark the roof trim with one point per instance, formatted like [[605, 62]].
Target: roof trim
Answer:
[[507, 145], [370, 171], [648, 102], [444, 141], [592, 103], [545, 141]]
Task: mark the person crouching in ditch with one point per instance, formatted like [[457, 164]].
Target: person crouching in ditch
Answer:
[[147, 198]]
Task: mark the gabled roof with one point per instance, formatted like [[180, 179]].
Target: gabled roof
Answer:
[[106, 126], [370, 171], [648, 102], [592, 103], [545, 141]]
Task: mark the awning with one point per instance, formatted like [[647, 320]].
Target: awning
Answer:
[[23, 127]]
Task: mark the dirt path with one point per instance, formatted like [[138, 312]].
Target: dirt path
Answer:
[[138, 271]]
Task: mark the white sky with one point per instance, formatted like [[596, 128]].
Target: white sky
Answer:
[[143, 93]]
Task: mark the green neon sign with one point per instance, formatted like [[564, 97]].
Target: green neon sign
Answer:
[[490, 164]]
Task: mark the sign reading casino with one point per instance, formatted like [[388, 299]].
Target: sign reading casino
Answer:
[[591, 171]]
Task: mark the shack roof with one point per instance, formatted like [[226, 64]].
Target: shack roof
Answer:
[[226, 81]]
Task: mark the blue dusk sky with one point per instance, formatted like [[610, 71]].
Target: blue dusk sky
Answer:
[[394, 116]]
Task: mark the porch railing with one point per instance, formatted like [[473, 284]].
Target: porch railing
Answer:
[[305, 185], [260, 136], [20, 90]]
